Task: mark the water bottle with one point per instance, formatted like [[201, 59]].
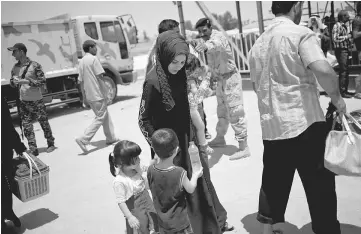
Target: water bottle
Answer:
[[194, 156]]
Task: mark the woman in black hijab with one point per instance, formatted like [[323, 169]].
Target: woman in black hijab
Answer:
[[164, 104], [10, 141]]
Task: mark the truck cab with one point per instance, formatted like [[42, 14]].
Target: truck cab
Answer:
[[111, 35]]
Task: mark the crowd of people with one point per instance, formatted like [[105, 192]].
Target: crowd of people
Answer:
[[286, 64]]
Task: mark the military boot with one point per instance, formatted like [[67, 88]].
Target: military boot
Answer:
[[242, 152]]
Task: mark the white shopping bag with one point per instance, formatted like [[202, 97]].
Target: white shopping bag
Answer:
[[343, 150]]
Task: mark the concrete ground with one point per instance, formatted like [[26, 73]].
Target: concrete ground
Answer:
[[81, 198]]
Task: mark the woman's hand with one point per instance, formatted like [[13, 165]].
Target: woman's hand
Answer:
[[133, 222]]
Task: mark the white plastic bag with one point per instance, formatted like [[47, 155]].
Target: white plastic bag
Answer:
[[343, 150]]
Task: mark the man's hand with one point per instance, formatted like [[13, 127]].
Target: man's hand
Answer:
[[192, 42], [133, 222], [340, 104], [201, 47]]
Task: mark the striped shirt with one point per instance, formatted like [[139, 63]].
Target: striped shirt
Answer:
[[288, 99], [340, 34]]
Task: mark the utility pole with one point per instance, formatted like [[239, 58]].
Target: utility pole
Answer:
[[332, 17], [324, 13], [260, 17], [309, 9], [332, 20], [239, 17], [181, 18], [240, 26]]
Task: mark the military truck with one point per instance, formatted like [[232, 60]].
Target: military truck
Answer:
[[57, 45]]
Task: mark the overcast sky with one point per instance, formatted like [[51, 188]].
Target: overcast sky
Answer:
[[147, 15]]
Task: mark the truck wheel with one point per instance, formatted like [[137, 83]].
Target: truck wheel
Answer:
[[111, 88]]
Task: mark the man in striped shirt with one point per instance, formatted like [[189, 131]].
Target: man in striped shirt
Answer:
[[285, 62], [341, 35]]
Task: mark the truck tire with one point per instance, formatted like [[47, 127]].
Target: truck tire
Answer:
[[111, 87]]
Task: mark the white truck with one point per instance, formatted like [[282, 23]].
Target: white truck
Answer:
[[57, 45]]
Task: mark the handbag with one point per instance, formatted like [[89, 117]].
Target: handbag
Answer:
[[343, 149]]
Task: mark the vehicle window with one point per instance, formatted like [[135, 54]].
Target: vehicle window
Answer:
[[119, 32], [108, 31], [91, 30]]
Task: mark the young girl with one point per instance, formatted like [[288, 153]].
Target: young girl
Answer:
[[130, 188], [196, 94], [169, 184]]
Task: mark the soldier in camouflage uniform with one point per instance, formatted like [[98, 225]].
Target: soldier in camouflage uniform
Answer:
[[230, 109], [28, 77]]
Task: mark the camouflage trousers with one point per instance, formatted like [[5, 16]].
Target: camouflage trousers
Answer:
[[230, 108], [37, 108]]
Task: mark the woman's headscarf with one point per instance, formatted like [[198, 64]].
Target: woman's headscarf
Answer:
[[169, 45]]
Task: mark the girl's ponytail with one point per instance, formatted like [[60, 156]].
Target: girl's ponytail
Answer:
[[124, 153], [111, 164]]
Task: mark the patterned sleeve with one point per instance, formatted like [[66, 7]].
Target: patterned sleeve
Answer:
[[202, 90], [120, 191], [216, 41], [336, 33], [38, 79], [146, 111]]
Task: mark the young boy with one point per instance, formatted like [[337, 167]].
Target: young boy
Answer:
[[169, 184]]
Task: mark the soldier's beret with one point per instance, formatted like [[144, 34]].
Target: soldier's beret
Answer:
[[202, 22]]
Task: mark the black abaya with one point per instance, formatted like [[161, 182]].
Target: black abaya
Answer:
[[206, 213]]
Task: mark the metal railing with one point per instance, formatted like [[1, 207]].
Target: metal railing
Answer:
[[244, 46], [248, 41], [244, 43]]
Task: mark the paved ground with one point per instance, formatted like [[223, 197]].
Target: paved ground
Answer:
[[81, 199]]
